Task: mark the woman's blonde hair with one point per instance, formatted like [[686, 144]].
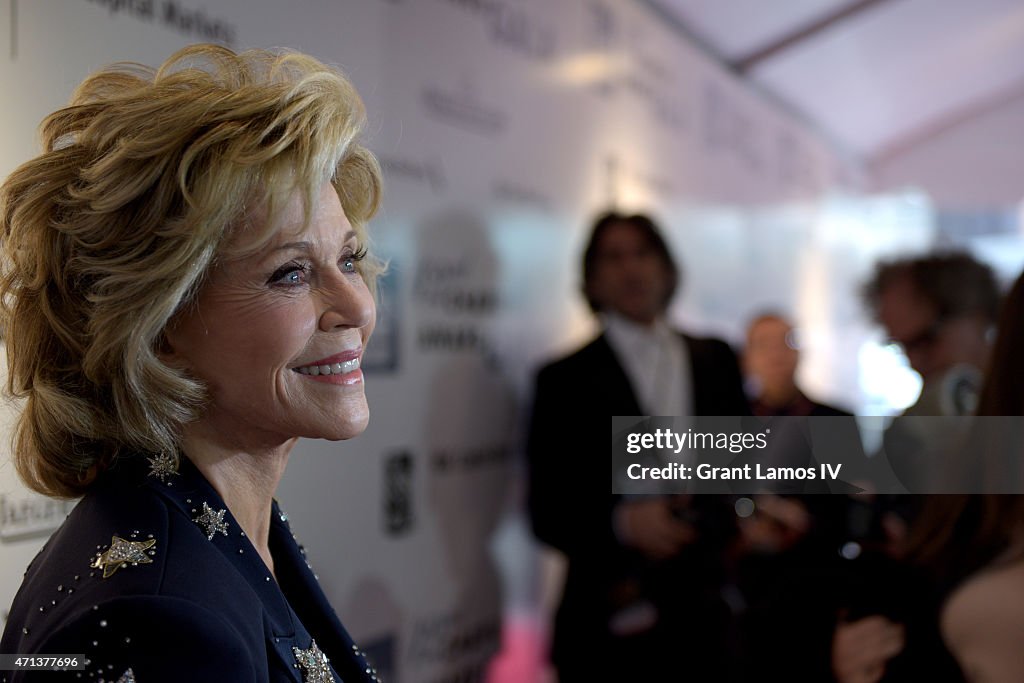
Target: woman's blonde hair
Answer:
[[110, 232]]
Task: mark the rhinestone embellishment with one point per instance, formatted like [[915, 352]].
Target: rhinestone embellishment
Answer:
[[121, 552], [162, 466], [212, 521], [315, 667]]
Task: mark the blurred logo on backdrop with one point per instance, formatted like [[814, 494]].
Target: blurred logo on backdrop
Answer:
[[399, 515], [426, 172], [463, 108], [27, 515], [455, 646], [512, 26], [175, 16], [455, 286], [381, 354]]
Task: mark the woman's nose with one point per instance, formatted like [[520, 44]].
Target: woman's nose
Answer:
[[347, 303]]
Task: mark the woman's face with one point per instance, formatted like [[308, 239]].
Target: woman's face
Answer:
[[278, 336]]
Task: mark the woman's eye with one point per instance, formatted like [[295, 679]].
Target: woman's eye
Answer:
[[349, 264], [290, 275]]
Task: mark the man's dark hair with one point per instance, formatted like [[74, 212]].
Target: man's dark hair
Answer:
[[648, 229], [954, 283]]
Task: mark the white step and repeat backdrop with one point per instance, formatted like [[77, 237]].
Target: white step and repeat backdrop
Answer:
[[502, 127]]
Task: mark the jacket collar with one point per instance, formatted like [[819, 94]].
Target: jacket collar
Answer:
[[189, 492]]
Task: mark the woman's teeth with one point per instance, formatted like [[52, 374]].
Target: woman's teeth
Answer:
[[332, 369]]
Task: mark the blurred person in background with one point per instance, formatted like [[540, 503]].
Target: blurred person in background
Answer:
[[974, 544], [940, 310], [642, 596], [797, 584], [770, 361]]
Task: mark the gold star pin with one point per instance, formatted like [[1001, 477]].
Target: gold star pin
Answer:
[[120, 552], [162, 466], [212, 521], [315, 667]]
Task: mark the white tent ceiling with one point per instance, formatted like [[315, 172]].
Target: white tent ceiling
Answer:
[[878, 76]]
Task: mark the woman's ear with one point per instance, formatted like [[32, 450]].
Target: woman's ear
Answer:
[[172, 346], [168, 354]]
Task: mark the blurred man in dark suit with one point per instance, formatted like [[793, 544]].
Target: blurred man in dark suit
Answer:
[[643, 593]]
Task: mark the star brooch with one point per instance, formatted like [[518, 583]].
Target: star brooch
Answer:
[[121, 552], [162, 466], [212, 521], [315, 667]]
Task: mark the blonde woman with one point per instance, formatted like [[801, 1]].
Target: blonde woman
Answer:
[[185, 293]]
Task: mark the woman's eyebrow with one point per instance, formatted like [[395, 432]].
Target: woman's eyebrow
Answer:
[[308, 246]]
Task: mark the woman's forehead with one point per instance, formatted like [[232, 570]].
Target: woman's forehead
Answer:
[[268, 227]]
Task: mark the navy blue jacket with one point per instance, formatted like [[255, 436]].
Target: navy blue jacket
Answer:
[[145, 592]]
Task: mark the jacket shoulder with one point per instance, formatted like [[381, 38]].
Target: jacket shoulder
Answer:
[[709, 345], [115, 541], [121, 569], [595, 352]]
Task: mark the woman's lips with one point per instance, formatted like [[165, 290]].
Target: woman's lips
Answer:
[[351, 354], [341, 368]]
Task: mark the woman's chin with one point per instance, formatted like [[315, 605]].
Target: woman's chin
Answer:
[[352, 425]]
